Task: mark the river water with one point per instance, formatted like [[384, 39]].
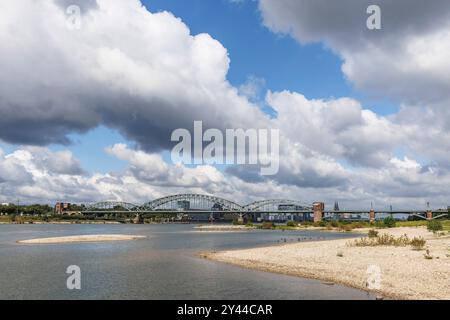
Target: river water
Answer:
[[165, 265]]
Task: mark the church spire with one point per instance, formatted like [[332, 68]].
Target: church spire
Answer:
[[336, 206]]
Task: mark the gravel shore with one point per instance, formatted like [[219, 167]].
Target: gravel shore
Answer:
[[405, 273]]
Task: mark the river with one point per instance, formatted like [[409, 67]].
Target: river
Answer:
[[165, 265]]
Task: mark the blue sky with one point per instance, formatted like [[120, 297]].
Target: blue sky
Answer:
[[254, 51], [311, 69]]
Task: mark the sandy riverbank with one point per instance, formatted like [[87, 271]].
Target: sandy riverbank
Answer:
[[82, 238], [405, 273], [223, 227], [220, 231]]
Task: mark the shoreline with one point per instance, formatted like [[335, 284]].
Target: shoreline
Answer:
[[58, 222], [82, 238], [405, 273], [221, 226]]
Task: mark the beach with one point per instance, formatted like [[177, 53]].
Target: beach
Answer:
[[405, 273]]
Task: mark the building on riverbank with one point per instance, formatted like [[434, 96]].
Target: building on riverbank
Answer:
[[62, 207]]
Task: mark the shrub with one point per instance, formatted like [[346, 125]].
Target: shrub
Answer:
[[373, 233], [334, 224], [379, 224], [418, 243], [388, 240], [268, 225], [389, 222], [340, 254], [358, 225], [402, 241], [346, 228], [291, 224], [434, 225]]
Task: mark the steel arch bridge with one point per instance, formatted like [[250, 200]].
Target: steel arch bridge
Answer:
[[195, 204], [191, 202], [112, 206], [274, 205]]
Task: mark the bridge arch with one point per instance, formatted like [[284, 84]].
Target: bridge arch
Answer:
[[191, 202], [112, 206], [274, 205]]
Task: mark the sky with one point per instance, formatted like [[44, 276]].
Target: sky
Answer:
[[86, 115]]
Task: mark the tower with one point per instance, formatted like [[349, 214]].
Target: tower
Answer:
[[336, 206]]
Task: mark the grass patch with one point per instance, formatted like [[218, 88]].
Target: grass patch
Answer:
[[267, 226], [424, 223], [346, 228], [418, 243], [389, 240], [291, 224], [435, 226], [373, 233]]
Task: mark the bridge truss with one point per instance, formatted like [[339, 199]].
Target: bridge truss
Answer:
[[191, 202], [112, 206], [274, 205]]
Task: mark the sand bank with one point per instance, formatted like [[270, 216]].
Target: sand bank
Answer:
[[82, 238], [220, 231], [214, 228], [223, 227], [405, 273]]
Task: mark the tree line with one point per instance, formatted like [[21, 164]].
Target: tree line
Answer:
[[35, 209]]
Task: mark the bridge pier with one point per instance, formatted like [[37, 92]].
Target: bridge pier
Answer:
[[372, 216], [429, 215], [318, 208], [138, 219]]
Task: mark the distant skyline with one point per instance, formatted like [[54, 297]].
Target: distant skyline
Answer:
[[86, 115]]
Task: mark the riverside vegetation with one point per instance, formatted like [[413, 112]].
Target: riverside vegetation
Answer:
[[418, 243], [439, 227]]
